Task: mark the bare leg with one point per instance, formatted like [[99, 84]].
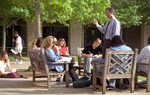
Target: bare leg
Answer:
[[14, 56], [20, 56]]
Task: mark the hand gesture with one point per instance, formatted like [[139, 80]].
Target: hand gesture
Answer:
[[56, 47], [95, 21], [90, 54], [60, 57], [95, 56], [13, 40]]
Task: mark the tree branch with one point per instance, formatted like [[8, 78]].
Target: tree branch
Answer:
[[12, 22]]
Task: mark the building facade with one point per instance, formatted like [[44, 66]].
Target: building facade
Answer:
[[75, 35]]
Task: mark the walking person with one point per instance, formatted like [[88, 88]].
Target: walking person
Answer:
[[111, 28], [18, 48]]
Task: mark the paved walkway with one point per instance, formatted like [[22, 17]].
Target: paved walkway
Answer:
[[25, 86]]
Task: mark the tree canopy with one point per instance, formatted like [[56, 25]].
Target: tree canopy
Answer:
[[11, 13], [85, 10], [144, 10], [126, 11]]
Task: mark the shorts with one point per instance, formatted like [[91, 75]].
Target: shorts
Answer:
[[16, 51]]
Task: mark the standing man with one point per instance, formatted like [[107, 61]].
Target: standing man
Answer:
[[92, 52], [18, 48], [111, 28]]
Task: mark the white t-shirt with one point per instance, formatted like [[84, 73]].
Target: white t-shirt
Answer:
[[3, 65], [144, 57], [19, 42]]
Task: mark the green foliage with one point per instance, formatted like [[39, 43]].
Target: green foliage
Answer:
[[56, 10], [10, 13], [126, 11], [144, 10], [85, 10]]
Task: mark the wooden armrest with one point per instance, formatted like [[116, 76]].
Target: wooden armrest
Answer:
[[142, 63], [59, 62]]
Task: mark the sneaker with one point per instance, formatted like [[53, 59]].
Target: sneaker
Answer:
[[16, 61], [20, 62]]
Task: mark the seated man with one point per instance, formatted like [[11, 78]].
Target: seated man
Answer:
[[92, 51], [143, 57], [117, 44]]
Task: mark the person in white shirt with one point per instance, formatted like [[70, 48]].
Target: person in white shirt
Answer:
[[144, 57], [18, 48], [4, 61]]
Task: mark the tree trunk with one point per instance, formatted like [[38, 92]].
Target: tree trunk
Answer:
[[37, 20], [4, 38]]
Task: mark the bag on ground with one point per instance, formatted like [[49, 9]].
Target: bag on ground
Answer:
[[12, 75], [82, 82]]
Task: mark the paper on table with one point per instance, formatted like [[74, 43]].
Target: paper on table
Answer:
[[68, 59]]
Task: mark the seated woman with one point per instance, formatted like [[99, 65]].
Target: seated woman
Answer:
[[39, 43], [62, 47], [117, 44], [52, 56], [4, 61], [33, 44], [63, 52], [36, 44]]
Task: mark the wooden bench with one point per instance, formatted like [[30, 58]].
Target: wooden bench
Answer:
[[126, 62], [39, 64]]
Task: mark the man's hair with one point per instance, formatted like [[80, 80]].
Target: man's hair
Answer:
[[98, 40], [16, 32], [116, 41], [149, 40], [111, 9]]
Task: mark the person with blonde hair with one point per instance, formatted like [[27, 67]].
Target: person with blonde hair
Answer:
[[33, 44], [48, 44], [91, 52], [4, 61]]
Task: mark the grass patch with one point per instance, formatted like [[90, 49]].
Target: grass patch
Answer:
[[11, 57], [142, 78]]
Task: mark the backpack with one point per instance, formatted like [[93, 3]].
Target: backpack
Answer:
[[82, 82], [12, 75], [22, 42]]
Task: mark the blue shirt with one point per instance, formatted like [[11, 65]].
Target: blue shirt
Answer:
[[113, 29], [52, 56], [117, 48]]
